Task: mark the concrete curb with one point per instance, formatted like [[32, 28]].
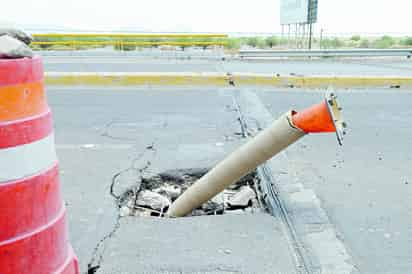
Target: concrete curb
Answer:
[[136, 79], [317, 246], [222, 79]]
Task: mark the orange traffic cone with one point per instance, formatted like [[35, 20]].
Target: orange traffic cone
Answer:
[[33, 229], [314, 119]]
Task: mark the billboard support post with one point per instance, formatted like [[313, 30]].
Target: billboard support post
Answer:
[[310, 35], [299, 13], [288, 35], [297, 35]]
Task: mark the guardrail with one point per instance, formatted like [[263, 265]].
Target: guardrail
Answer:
[[123, 41], [127, 35], [325, 53]]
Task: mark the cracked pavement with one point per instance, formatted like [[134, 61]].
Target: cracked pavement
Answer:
[[101, 132], [364, 187]]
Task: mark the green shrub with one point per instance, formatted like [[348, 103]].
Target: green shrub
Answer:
[[45, 46], [154, 40], [233, 43], [332, 43], [384, 42], [252, 42], [352, 44], [355, 38], [407, 41], [256, 42], [183, 40], [272, 41], [283, 41], [124, 47], [364, 43]]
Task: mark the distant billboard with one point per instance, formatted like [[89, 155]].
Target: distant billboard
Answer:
[[298, 11], [313, 11]]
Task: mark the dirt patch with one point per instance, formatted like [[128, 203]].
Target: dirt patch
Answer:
[[152, 196]]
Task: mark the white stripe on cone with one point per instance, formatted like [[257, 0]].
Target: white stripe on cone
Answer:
[[26, 160]]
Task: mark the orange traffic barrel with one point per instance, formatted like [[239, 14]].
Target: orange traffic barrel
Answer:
[[33, 229]]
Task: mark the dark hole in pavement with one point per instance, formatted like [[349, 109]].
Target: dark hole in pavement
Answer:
[[152, 196]]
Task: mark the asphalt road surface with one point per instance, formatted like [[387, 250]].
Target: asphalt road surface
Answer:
[[199, 61], [100, 132], [364, 186]]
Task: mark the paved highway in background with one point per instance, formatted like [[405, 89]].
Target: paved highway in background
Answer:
[[212, 61], [364, 186]]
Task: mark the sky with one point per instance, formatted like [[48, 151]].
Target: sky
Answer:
[[246, 16]]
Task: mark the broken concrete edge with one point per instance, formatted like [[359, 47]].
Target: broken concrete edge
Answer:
[[152, 195], [223, 79]]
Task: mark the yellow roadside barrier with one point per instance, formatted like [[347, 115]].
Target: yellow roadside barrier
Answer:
[[121, 40], [222, 79]]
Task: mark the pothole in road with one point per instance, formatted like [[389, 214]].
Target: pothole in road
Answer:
[[152, 196]]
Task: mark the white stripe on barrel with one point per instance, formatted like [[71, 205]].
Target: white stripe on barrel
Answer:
[[25, 160]]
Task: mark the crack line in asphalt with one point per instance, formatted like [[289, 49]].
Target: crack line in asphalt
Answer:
[[131, 167], [91, 267], [241, 119], [96, 260], [106, 129], [272, 199]]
